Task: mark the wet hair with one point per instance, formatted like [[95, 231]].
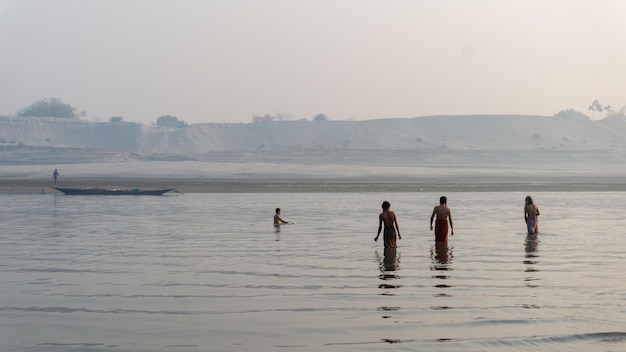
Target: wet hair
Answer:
[[529, 200], [443, 200], [277, 210], [386, 205]]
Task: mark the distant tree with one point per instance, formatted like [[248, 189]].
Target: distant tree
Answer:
[[264, 118], [170, 122], [621, 112], [268, 118], [320, 117], [282, 116], [596, 106], [571, 113], [52, 107], [115, 119]]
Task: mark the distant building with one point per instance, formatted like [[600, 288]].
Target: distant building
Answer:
[[115, 119]]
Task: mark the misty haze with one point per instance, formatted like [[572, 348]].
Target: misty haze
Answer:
[[567, 147], [208, 175]]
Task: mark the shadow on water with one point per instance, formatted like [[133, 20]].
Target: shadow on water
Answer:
[[441, 263]]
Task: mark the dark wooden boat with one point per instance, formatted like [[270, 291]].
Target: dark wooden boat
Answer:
[[113, 191]]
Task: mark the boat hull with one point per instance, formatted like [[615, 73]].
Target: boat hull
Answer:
[[112, 192]]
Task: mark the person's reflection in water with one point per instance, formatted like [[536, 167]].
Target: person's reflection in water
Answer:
[[441, 257], [388, 266], [390, 260], [531, 254], [531, 246], [277, 231]]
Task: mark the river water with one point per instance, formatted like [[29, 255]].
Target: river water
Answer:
[[209, 272]]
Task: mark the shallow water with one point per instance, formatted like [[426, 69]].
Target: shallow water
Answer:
[[209, 272]]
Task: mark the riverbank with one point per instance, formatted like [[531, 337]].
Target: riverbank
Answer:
[[233, 177]]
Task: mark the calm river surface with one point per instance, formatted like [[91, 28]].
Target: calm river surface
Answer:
[[209, 272]]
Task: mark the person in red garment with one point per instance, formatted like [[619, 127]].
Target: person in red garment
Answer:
[[443, 214], [388, 218]]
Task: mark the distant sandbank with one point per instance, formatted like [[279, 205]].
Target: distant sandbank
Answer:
[[303, 186], [269, 177]]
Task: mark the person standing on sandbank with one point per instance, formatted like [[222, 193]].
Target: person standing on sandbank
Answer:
[[388, 218], [55, 175], [444, 214], [531, 213]]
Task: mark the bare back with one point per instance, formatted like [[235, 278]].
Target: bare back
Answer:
[[442, 212], [531, 211], [444, 215], [388, 218]]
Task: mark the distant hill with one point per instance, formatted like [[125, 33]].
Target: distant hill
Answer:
[[478, 132], [479, 137]]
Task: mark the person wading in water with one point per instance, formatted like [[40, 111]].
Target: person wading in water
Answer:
[[443, 214], [388, 218]]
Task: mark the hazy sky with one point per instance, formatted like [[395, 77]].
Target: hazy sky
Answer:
[[225, 61]]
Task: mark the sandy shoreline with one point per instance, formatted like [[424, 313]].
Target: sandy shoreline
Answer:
[[303, 186], [256, 177]]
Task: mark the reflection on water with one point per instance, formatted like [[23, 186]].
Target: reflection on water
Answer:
[[206, 273], [388, 266], [531, 247], [441, 256], [277, 231], [441, 260], [390, 260], [531, 255]]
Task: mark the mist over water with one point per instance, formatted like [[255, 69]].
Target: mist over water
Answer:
[[209, 272]]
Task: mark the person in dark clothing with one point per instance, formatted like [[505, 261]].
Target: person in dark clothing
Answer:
[[389, 220]]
